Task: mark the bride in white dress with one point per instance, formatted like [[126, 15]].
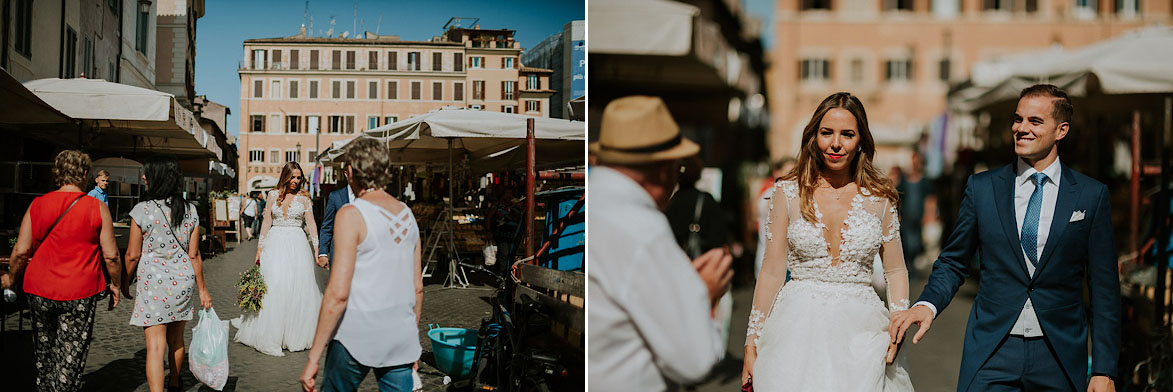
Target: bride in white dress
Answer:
[[289, 310], [826, 329]]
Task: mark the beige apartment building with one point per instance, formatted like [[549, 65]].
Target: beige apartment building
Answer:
[[901, 56], [300, 94]]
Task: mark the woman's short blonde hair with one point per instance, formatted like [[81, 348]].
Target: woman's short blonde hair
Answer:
[[370, 161], [71, 167]]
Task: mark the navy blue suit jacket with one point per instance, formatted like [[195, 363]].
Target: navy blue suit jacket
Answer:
[[1075, 252], [337, 199]]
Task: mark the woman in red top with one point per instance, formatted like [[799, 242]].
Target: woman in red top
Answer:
[[66, 234]]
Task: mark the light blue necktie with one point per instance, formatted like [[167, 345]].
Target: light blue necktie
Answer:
[[1030, 223]]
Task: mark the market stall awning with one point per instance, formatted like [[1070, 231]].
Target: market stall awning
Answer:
[[126, 118], [21, 106], [1138, 62], [424, 138], [121, 169], [666, 42]]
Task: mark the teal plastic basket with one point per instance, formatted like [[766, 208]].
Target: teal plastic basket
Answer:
[[454, 349]]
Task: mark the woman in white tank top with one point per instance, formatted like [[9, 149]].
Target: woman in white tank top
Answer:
[[370, 311]]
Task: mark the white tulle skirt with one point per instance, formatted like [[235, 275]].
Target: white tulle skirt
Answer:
[[289, 311], [827, 337]]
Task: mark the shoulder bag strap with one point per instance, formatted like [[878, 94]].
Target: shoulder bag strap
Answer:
[[694, 229], [172, 229]]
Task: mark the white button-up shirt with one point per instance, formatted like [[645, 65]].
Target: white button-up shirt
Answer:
[[649, 315], [1028, 322]]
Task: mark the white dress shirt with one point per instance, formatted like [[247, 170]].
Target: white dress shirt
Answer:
[[649, 315], [1028, 322]]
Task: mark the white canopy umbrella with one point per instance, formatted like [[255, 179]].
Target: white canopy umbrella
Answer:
[[425, 138], [1138, 62], [153, 118], [121, 169]]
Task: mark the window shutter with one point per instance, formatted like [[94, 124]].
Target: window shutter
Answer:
[[502, 86], [516, 63], [458, 62], [394, 61], [437, 61], [502, 63], [538, 104]]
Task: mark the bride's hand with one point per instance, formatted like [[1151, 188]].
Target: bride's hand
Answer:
[[751, 356], [893, 349]]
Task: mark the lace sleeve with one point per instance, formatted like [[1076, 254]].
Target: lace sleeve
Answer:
[[892, 256], [311, 227], [267, 221], [773, 273]]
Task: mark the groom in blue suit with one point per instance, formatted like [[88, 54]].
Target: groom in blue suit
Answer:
[[337, 199], [1042, 230]]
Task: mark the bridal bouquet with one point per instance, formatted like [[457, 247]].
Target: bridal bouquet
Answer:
[[252, 290]]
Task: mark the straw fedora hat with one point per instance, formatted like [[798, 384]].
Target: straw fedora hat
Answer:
[[638, 129]]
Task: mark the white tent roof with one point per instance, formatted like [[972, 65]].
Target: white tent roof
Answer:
[[120, 169], [1137, 62], [642, 27], [424, 138], [116, 108]]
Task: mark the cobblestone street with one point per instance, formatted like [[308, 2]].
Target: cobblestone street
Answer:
[[117, 355]]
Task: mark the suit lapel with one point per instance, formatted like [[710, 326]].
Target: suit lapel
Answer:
[[1004, 199], [1069, 191]]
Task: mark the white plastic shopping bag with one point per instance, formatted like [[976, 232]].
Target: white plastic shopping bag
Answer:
[[208, 358]]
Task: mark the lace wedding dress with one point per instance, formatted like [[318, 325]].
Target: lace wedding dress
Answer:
[[826, 329], [289, 310]]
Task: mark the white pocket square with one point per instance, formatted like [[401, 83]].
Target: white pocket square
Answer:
[[1077, 216]]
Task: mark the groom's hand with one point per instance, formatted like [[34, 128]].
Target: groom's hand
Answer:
[[902, 321], [1101, 384]]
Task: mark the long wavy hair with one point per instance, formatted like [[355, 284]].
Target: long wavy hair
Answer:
[[165, 183], [810, 166], [286, 176]]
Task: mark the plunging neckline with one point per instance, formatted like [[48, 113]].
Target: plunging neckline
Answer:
[[285, 207], [856, 203]]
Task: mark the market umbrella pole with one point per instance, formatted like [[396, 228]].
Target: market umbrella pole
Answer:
[[1162, 213], [455, 271], [530, 174]]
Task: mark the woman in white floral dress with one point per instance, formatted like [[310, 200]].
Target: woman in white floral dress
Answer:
[[164, 247], [285, 252], [826, 329]]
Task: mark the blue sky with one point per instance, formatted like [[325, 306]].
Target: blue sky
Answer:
[[220, 34], [764, 10]]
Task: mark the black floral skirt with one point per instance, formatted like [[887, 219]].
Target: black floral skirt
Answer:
[[62, 332]]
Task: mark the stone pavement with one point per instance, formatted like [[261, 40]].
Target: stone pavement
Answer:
[[933, 364], [117, 354]]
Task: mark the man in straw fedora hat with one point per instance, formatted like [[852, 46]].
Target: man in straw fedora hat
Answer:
[[650, 311]]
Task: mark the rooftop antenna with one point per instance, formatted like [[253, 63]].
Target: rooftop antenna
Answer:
[[380, 24], [330, 32], [306, 14], [355, 21]]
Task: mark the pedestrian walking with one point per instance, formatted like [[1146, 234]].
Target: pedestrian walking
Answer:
[[56, 260]]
